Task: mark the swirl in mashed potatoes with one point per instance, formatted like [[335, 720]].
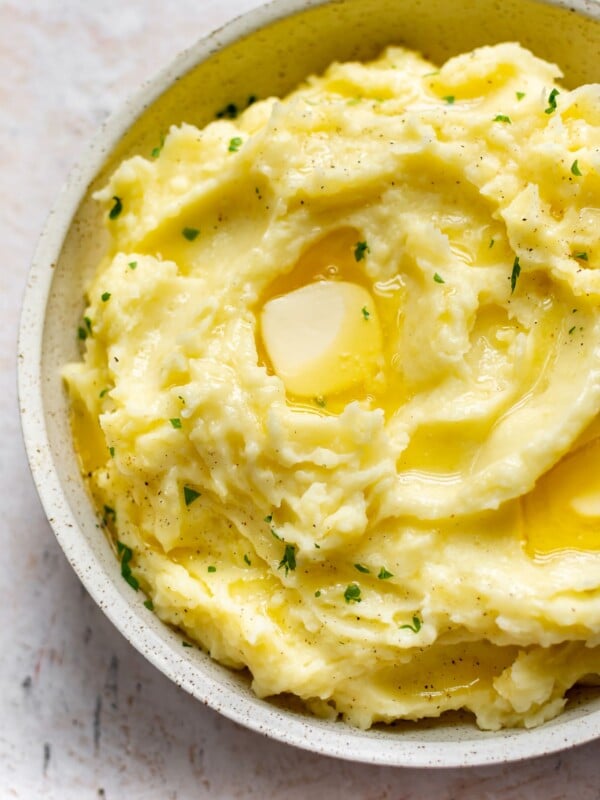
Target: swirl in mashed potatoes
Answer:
[[341, 383]]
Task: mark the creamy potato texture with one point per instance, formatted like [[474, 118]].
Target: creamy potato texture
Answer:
[[340, 391]]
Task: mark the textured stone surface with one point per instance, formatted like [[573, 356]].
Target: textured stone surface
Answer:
[[82, 714]]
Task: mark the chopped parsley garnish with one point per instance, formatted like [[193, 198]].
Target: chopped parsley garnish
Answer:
[[189, 495], [583, 256], [491, 244], [268, 519], [175, 422], [157, 150], [516, 271], [438, 278], [187, 644], [212, 568], [365, 312], [360, 250], [502, 118], [149, 604], [126, 554], [415, 627], [247, 559], [449, 98], [109, 512], [362, 568], [384, 574], [105, 296], [320, 401], [575, 169], [572, 329], [103, 392], [111, 450], [289, 558], [352, 593], [190, 233], [88, 325], [132, 264], [520, 95], [318, 593], [82, 333], [116, 209], [552, 101], [235, 144]]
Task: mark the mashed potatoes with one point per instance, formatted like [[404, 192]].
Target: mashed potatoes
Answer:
[[340, 393]]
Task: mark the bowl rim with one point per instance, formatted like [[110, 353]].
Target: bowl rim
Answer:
[[337, 740]]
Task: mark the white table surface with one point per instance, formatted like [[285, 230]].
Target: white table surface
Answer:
[[82, 715]]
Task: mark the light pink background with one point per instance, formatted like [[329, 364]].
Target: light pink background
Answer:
[[81, 714]]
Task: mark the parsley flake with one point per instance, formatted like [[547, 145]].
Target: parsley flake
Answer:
[[247, 559], [82, 334], [360, 250], [384, 574], [212, 568], [520, 95], [575, 169], [352, 593], [235, 144], [187, 644], [111, 450], [318, 593], [289, 558], [572, 329], [438, 278], [149, 604], [105, 296], [502, 118], [189, 495], [362, 568], [268, 519], [190, 233], [552, 102], [126, 554], [583, 256], [516, 271], [157, 150], [491, 244], [449, 98], [116, 209], [415, 627], [109, 512], [175, 422], [103, 392], [366, 313], [132, 264]]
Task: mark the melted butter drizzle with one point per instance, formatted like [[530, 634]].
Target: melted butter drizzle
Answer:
[[332, 258], [561, 515]]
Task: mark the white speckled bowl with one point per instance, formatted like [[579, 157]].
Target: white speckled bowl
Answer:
[[264, 52]]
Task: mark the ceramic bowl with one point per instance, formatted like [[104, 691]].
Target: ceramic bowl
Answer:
[[265, 52]]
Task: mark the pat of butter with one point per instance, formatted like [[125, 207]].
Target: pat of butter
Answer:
[[323, 339], [587, 505]]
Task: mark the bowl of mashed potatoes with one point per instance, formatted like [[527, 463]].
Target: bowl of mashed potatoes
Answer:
[[310, 370]]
